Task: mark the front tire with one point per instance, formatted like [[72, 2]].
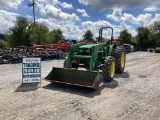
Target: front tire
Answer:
[[108, 69]]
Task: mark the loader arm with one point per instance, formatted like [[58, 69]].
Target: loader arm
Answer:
[[71, 53], [95, 58]]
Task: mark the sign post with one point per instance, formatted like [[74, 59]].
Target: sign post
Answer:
[[31, 70]]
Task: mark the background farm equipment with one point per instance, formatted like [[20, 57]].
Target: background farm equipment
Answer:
[[15, 55], [3, 61], [106, 57], [128, 47], [150, 50], [61, 45], [12, 55], [157, 50]]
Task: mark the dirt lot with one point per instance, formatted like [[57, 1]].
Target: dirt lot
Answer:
[[133, 95]]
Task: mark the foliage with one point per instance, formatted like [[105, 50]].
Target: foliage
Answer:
[[144, 38], [3, 44], [2, 36], [125, 36], [155, 30], [25, 33], [51, 37], [55, 35], [38, 33], [18, 34], [88, 35]]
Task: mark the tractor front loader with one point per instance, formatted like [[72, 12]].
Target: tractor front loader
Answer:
[[102, 57]]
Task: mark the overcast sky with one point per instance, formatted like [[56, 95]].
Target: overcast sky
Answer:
[[75, 17]]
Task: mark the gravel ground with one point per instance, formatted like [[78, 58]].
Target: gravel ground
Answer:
[[132, 95]]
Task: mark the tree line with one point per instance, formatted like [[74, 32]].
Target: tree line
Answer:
[[145, 38], [25, 33]]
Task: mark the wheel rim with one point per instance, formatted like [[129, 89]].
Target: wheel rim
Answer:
[[112, 69], [122, 60]]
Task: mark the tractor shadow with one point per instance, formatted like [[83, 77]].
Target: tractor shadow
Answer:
[[122, 75], [82, 91], [27, 87]]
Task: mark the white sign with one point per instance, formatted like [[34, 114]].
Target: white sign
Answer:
[[31, 70]]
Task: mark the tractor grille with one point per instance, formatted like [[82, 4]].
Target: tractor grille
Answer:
[[84, 52]]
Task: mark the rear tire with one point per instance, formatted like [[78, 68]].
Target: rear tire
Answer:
[[120, 56], [108, 69]]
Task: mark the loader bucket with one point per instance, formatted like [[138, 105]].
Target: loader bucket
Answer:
[[83, 78]]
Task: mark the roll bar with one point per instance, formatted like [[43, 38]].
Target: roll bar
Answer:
[[100, 33]]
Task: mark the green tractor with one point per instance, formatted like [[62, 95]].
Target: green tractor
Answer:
[[100, 59]]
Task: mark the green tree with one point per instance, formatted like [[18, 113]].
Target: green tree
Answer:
[[18, 34], [126, 36], [144, 38], [155, 30], [3, 44], [26, 33], [88, 35], [38, 33], [51, 37], [2, 36], [57, 34], [135, 43]]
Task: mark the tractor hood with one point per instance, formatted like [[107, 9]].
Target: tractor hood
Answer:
[[88, 46]]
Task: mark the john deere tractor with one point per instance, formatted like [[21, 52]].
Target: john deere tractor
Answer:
[[100, 59]]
